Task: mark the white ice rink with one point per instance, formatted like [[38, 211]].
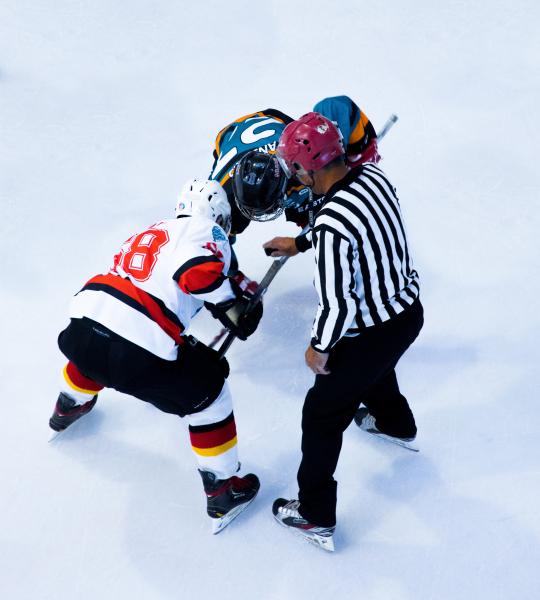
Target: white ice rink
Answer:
[[106, 107]]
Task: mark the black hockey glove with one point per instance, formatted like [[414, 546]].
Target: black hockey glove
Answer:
[[232, 314]]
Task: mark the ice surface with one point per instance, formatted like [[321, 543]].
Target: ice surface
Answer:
[[106, 108]]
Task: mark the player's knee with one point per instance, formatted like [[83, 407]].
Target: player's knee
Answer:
[[203, 375]]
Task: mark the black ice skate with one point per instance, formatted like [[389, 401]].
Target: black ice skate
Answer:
[[67, 412], [286, 514], [227, 498], [367, 422]]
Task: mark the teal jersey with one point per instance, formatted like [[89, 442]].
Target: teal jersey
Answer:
[[261, 131], [257, 131]]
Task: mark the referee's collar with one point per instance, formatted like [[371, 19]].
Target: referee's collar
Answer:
[[351, 176]]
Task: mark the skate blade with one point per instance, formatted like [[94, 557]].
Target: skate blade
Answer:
[[222, 522], [326, 542], [402, 443], [393, 440], [54, 435]]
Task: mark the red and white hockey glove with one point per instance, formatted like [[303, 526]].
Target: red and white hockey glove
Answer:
[[369, 155], [247, 285]]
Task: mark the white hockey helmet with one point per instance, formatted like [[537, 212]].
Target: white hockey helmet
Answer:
[[206, 198]]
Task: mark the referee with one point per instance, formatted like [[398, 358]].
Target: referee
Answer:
[[369, 313]]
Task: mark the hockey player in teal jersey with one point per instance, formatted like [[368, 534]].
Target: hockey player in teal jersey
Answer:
[[263, 191], [256, 132]]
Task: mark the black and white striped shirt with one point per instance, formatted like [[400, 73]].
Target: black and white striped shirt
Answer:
[[364, 273]]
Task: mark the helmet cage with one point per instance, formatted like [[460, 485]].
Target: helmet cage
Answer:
[[259, 189]]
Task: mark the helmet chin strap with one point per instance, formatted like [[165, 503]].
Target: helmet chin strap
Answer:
[[311, 212]]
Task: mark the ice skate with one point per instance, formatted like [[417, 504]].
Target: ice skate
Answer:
[[367, 422], [227, 498], [286, 514], [67, 411]]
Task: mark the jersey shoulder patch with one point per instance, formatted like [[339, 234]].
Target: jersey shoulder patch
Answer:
[[218, 234]]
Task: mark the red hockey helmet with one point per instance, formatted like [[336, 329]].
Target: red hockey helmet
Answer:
[[309, 144]]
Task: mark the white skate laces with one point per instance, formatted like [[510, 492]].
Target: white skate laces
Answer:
[[291, 509], [368, 423]]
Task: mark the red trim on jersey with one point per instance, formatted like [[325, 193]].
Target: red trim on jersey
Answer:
[[201, 276], [79, 380], [125, 286]]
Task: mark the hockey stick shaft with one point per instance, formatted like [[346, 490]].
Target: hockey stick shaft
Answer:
[[218, 337], [390, 122], [261, 290]]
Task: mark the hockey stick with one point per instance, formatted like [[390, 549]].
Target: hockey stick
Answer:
[[261, 290], [279, 262], [390, 122], [218, 337]]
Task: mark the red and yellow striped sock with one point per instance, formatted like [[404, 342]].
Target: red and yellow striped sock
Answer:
[[78, 386], [215, 446]]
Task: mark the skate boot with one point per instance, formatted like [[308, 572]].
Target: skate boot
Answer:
[[367, 422], [67, 411], [286, 514], [227, 498]]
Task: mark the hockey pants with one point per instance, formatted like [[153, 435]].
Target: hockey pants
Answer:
[[193, 385]]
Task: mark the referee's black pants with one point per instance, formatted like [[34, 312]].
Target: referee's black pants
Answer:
[[361, 371]]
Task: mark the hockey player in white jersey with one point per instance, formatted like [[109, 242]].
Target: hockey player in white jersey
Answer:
[[127, 328]]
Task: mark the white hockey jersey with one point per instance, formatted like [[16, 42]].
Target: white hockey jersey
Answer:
[[158, 282]]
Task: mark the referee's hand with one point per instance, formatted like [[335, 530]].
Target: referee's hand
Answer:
[[316, 361], [281, 246]]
